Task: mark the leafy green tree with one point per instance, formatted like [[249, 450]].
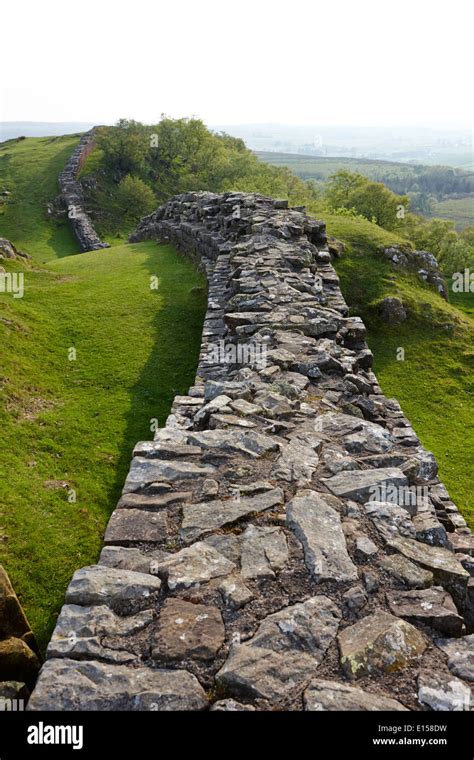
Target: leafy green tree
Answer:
[[341, 186], [371, 200], [125, 147], [439, 237], [467, 235], [135, 198]]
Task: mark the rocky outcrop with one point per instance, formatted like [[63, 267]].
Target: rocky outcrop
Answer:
[[393, 311], [19, 658], [72, 196], [421, 262], [284, 542], [9, 251]]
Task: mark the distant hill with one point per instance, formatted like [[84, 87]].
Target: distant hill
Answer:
[[442, 191], [434, 145], [11, 129]]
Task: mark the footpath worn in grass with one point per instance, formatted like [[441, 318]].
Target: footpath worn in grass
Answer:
[[435, 382], [77, 421]]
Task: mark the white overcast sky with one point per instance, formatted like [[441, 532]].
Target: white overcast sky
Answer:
[[353, 62]]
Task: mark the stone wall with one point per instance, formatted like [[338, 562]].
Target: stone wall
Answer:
[[73, 198], [284, 542]]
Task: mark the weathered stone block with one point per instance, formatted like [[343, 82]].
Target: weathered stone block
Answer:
[[379, 643]]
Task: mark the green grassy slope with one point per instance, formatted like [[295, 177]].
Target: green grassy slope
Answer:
[[76, 422], [459, 210], [435, 382], [29, 170], [322, 167]]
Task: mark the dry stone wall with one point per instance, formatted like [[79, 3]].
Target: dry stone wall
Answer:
[[284, 542], [72, 196]]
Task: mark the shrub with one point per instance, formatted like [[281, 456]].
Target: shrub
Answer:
[[135, 198], [372, 200]]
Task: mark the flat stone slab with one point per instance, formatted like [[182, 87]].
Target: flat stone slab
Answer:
[[136, 526], [165, 450], [365, 485], [390, 520], [70, 685], [144, 471], [118, 589], [81, 634], [447, 570], [196, 564], [365, 548], [207, 516], [460, 655], [298, 460], [441, 691], [286, 649], [257, 672], [428, 528], [339, 425], [379, 643], [331, 695], [223, 421], [227, 544], [264, 552], [234, 592], [230, 705], [187, 631], [247, 442], [317, 524], [274, 405], [432, 606], [245, 408], [407, 572], [152, 502], [127, 558]]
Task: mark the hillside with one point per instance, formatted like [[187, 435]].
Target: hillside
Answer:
[[29, 173], [435, 382], [460, 210], [435, 191], [71, 425]]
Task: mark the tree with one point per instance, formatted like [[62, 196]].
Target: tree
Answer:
[[439, 237], [467, 234], [125, 147], [340, 187], [372, 200], [135, 198]]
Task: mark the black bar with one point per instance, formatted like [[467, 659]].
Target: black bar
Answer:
[[315, 735]]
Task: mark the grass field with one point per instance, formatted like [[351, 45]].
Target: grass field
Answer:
[[322, 167], [460, 210], [29, 170], [75, 422]]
